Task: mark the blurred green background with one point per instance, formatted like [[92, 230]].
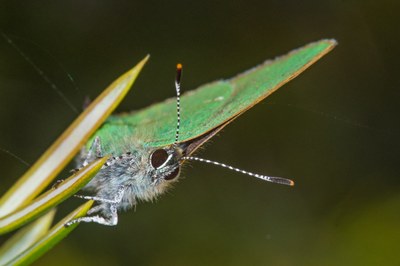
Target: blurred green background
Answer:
[[334, 129]]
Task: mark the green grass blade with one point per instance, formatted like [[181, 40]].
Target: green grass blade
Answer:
[[26, 237], [55, 235], [51, 198], [67, 145]]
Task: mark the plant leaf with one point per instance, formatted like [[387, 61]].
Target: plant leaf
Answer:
[[67, 145], [51, 198], [24, 238], [211, 105], [55, 235]]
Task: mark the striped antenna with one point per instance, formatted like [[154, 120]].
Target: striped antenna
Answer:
[[178, 99], [273, 179]]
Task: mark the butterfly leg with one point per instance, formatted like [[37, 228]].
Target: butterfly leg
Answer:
[[93, 153], [117, 199], [110, 221], [57, 183], [95, 209], [112, 215]]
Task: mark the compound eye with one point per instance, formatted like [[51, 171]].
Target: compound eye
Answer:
[[173, 174], [158, 158]]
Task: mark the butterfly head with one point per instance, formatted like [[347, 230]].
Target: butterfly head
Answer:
[[165, 162]]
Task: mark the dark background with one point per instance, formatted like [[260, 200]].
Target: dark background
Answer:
[[334, 129]]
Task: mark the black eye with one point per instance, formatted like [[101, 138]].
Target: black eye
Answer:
[[172, 175], [158, 158]]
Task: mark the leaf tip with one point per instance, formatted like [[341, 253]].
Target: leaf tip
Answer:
[[133, 72], [144, 60], [332, 42]]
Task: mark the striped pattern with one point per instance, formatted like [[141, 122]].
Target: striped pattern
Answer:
[[178, 99], [272, 179]]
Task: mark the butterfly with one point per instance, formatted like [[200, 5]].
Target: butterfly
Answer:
[[149, 147]]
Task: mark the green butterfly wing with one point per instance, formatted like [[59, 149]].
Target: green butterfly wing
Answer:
[[210, 105]]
